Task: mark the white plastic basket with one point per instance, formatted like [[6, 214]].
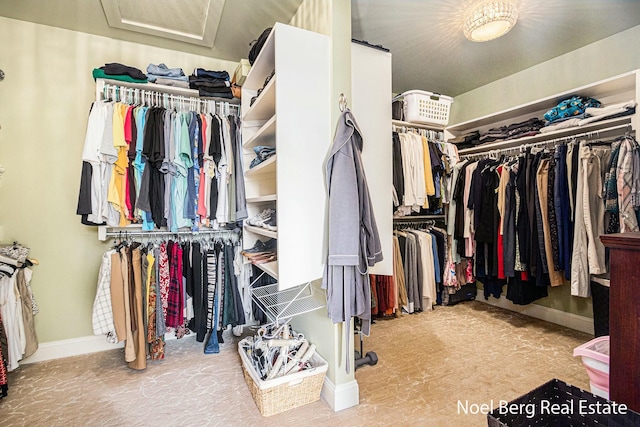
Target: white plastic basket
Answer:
[[425, 107]]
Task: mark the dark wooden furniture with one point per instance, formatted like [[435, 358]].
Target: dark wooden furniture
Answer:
[[624, 318]]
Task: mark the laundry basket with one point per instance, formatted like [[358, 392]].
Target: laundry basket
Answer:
[[425, 107], [595, 358]]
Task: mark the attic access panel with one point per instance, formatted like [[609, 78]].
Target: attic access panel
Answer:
[[193, 21]]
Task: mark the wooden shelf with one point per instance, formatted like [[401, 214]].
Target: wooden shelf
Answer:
[[268, 166], [262, 199], [261, 231], [266, 135]]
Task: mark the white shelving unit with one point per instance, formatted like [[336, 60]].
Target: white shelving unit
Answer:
[[260, 232], [266, 135], [370, 89], [262, 199], [293, 115], [266, 167], [622, 88]]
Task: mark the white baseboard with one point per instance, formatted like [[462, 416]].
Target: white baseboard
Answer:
[[71, 347], [559, 317], [342, 396], [77, 346]]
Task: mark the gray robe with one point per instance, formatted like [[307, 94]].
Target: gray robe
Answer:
[[354, 243]]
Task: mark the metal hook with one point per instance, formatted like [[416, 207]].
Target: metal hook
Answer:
[[342, 102]]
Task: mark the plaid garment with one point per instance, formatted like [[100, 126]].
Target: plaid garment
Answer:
[[102, 316]]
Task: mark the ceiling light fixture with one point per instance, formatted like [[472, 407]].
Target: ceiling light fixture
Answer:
[[489, 20]]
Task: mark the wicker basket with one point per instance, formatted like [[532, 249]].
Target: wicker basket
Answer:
[[426, 107], [287, 392]]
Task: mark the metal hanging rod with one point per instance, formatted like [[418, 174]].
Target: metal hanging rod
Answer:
[[418, 217], [521, 148], [151, 234], [419, 224], [139, 95]]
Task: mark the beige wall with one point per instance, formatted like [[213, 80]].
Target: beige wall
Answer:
[[605, 58], [314, 15], [44, 102]]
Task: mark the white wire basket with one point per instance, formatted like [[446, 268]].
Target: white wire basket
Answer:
[[425, 107]]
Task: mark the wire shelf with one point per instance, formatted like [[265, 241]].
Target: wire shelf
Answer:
[[283, 304]]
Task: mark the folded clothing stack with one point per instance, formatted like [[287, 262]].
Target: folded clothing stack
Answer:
[[594, 114], [116, 71], [163, 75], [211, 83], [515, 130], [263, 152], [573, 107], [467, 140]]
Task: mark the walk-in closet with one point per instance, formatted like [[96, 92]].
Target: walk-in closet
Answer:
[[306, 212]]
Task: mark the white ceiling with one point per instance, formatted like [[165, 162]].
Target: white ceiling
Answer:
[[424, 36]]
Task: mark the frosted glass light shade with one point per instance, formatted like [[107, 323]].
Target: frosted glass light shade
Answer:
[[490, 20]]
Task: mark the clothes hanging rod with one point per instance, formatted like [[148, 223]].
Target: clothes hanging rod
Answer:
[[418, 217], [151, 234], [142, 92], [522, 147], [436, 128]]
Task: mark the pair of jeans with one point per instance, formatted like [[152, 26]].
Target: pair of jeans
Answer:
[[213, 346], [262, 153], [561, 203]]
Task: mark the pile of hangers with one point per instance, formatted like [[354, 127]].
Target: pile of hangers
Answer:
[[14, 257], [277, 350]]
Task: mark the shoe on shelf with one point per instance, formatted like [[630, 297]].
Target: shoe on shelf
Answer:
[[258, 247], [271, 245], [264, 259], [260, 218], [271, 223]]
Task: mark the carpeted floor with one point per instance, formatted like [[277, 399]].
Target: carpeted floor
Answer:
[[431, 366]]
